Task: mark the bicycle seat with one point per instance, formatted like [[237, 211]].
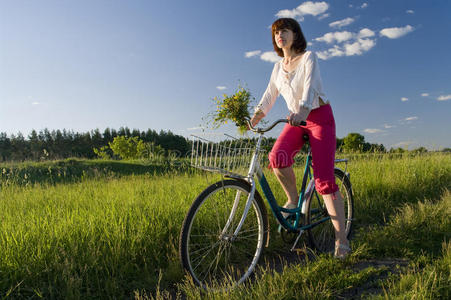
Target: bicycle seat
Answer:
[[305, 137]]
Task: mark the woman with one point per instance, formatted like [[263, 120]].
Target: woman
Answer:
[[298, 79]]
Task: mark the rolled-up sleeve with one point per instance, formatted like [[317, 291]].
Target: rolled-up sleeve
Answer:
[[269, 97]]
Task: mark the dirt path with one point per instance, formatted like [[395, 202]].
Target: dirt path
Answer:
[[285, 257], [372, 286]]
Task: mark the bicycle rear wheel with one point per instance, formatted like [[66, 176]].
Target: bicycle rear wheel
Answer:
[[322, 236], [209, 251]]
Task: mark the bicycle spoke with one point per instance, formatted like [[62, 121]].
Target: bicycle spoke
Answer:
[[248, 230], [198, 250], [213, 261], [244, 252], [204, 256], [322, 235], [211, 252], [218, 258], [247, 237], [206, 234], [217, 219]]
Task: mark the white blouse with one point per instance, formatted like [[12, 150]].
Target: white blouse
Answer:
[[301, 87]]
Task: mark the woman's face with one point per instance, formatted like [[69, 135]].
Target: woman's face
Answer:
[[284, 38]]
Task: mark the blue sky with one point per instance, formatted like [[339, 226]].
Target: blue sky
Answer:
[[81, 65]]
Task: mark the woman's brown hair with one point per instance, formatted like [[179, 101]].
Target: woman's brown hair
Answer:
[[299, 43]]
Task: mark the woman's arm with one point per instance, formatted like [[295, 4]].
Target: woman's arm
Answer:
[[258, 115], [311, 75], [268, 99]]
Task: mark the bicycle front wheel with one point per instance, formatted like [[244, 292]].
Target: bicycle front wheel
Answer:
[[322, 236], [209, 250]]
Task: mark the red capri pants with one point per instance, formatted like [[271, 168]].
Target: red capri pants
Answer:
[[321, 131]]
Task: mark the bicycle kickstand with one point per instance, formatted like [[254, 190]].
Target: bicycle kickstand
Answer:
[[297, 240]]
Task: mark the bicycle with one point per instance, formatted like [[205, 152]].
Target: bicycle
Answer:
[[227, 226]]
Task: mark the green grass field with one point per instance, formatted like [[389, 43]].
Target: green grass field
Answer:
[[94, 229]]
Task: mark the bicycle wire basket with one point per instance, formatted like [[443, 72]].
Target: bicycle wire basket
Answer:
[[230, 157]]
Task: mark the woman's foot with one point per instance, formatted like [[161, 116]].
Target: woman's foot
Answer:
[[342, 251], [288, 205]]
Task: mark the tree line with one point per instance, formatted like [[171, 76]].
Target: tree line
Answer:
[[111, 143], [60, 144]]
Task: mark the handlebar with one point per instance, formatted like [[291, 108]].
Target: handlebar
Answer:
[[262, 130]]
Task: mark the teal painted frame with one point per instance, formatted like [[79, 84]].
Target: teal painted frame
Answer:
[[276, 209]]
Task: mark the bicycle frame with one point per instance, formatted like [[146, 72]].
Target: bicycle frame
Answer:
[[255, 169]]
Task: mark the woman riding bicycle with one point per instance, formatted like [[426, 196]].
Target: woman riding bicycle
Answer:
[[298, 79]]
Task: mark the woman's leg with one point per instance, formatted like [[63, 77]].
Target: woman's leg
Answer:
[[323, 144], [287, 180], [335, 208], [281, 159]]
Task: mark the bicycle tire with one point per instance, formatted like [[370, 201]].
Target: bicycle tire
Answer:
[[322, 236], [211, 257]]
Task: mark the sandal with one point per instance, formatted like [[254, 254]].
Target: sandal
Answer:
[[288, 205], [342, 247]]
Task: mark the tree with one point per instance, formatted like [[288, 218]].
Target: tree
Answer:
[[354, 142], [19, 147], [420, 150], [103, 152], [5, 146], [35, 145], [107, 136], [128, 147], [397, 150], [96, 138]]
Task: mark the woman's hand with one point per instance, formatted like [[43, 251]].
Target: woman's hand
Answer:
[[256, 118], [295, 119]]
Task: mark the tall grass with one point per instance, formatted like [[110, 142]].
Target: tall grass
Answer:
[[73, 170], [106, 236], [97, 237], [427, 276]]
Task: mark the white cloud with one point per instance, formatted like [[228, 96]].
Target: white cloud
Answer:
[[425, 95], [195, 128], [409, 11], [221, 88], [336, 51], [364, 5], [411, 118], [365, 32], [313, 8], [35, 103], [358, 44], [444, 98], [341, 23], [396, 32], [270, 56], [332, 52], [387, 126], [404, 99], [252, 53], [287, 13], [323, 16], [404, 144], [306, 8], [359, 47], [338, 36], [373, 130], [343, 36], [349, 49]]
